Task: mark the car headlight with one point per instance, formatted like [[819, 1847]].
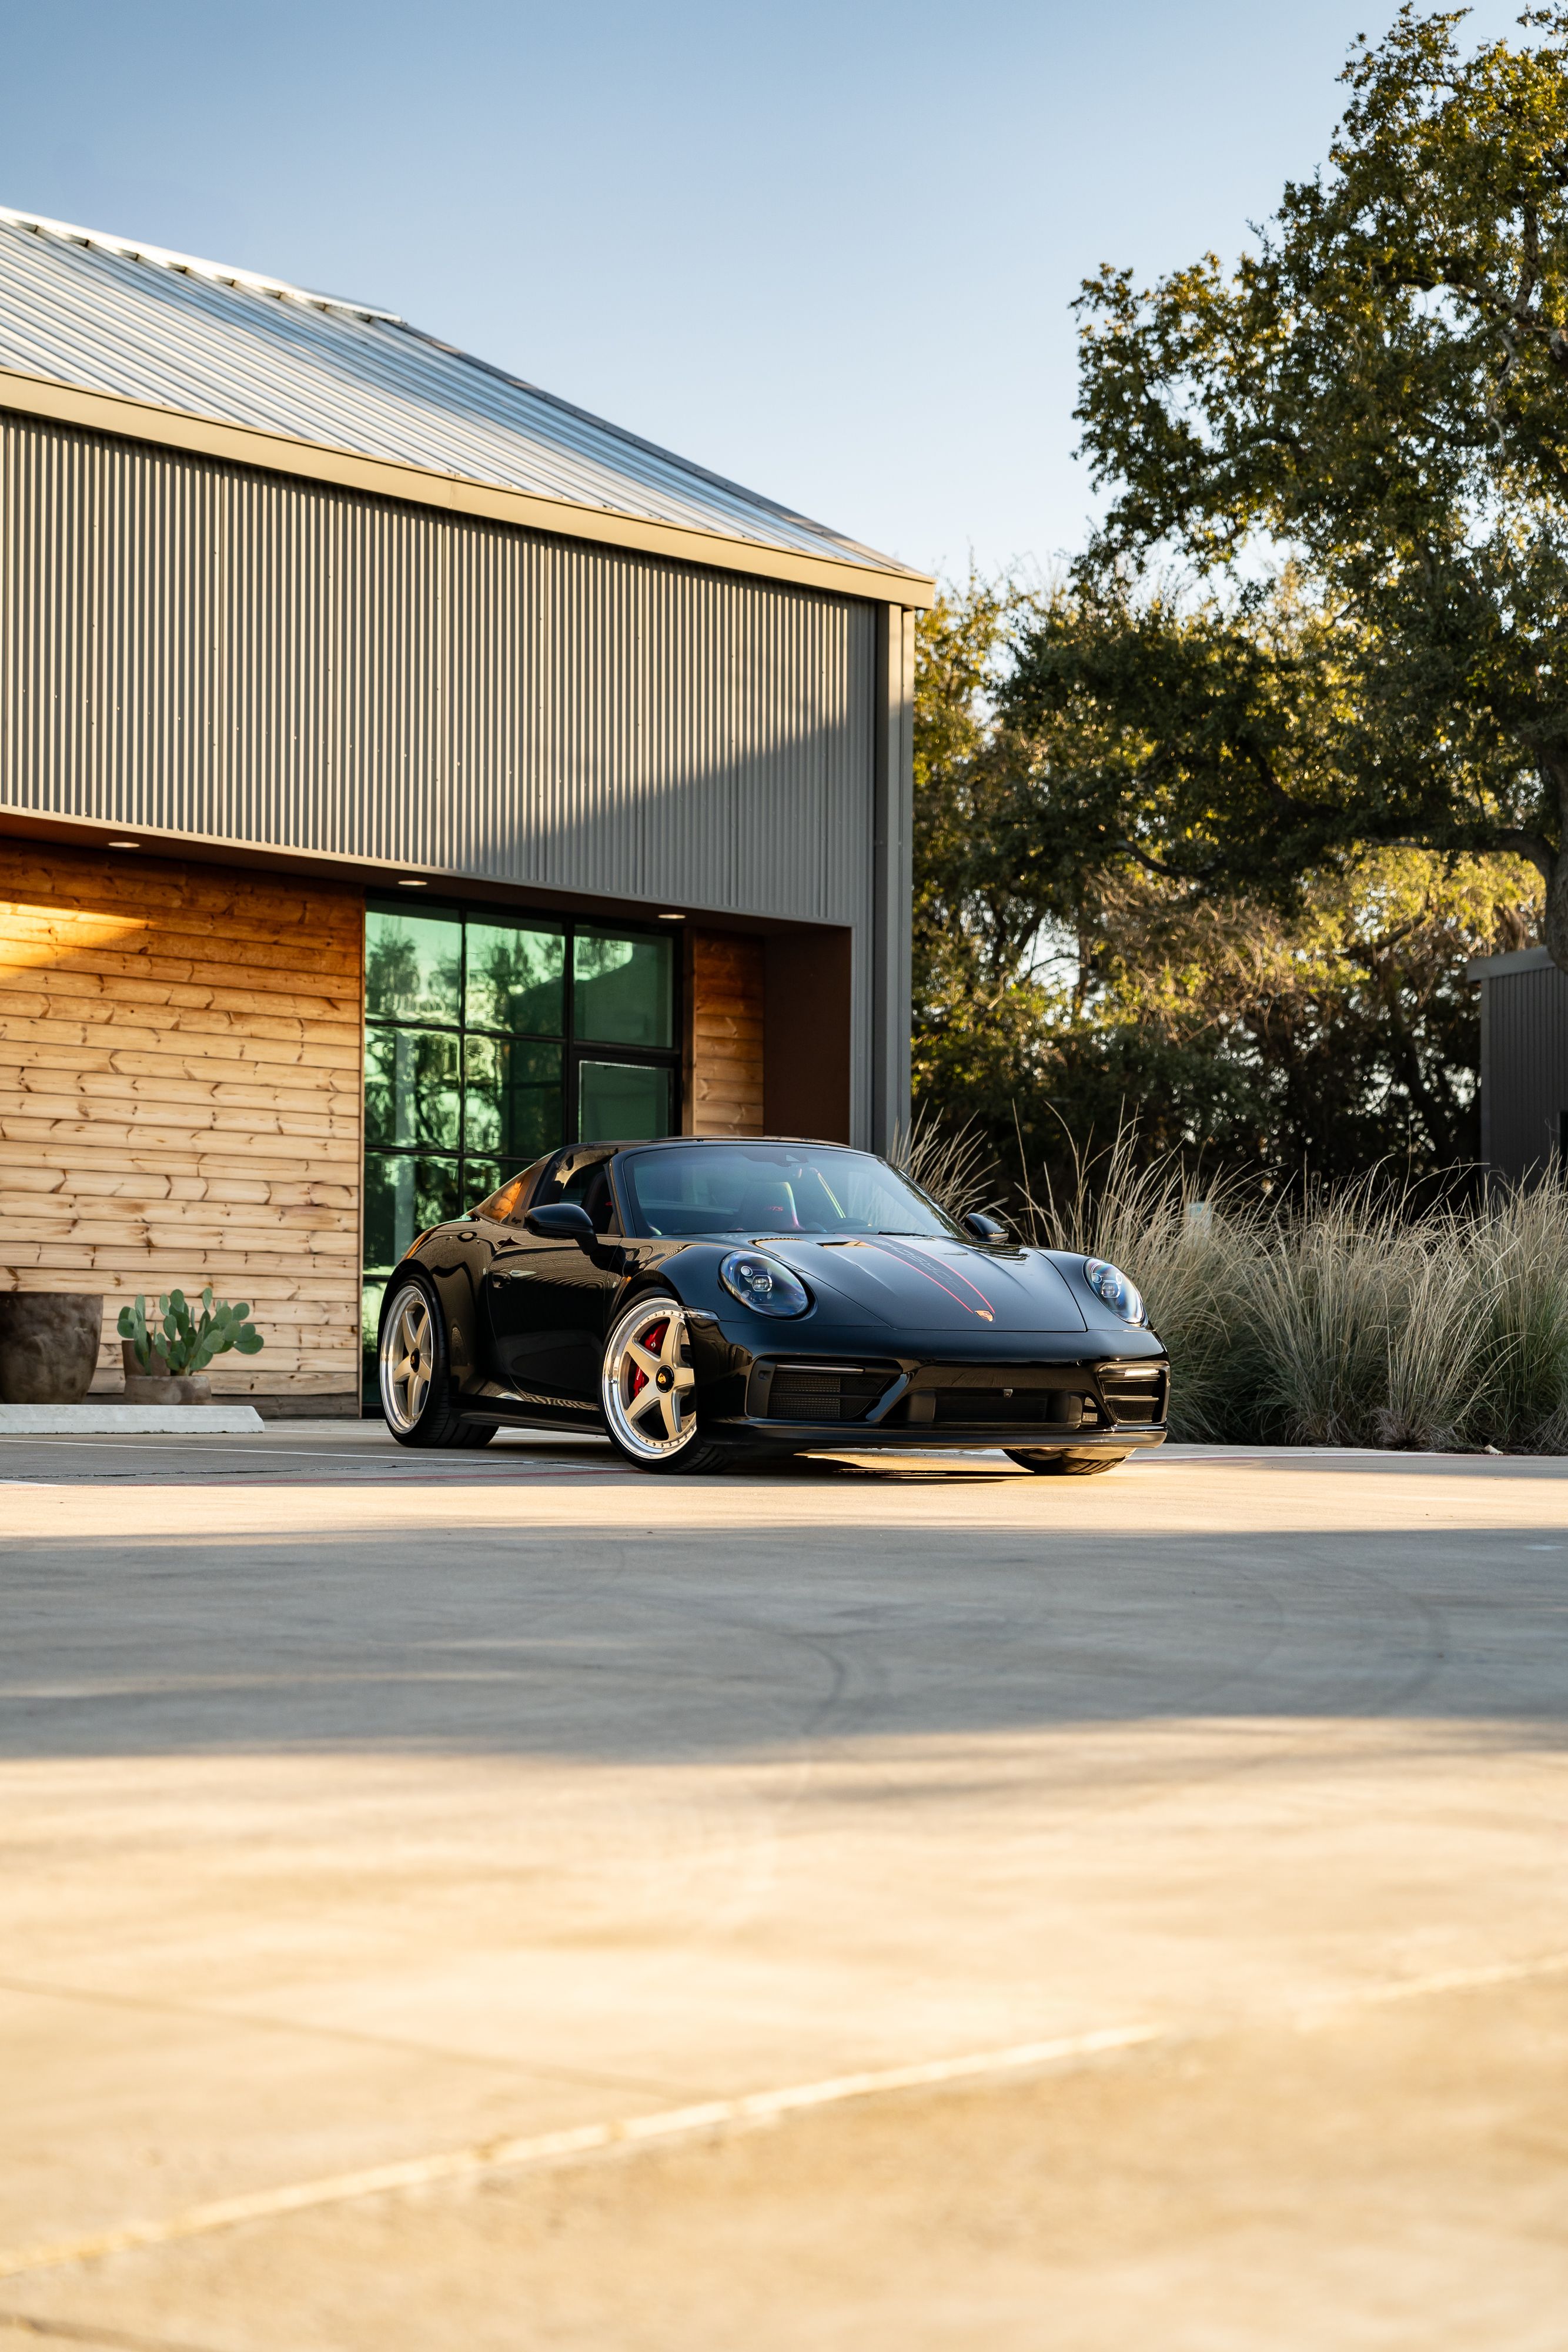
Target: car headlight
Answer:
[[763, 1284], [1121, 1296]]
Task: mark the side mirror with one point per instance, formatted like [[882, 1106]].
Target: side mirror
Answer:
[[983, 1229], [562, 1220]]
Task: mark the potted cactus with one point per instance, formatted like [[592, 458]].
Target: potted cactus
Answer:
[[166, 1362]]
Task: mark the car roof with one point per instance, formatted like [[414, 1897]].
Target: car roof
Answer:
[[810, 1142]]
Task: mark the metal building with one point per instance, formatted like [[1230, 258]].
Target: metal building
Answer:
[[1524, 1061], [398, 767]]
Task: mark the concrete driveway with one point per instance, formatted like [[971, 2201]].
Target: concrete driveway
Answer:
[[1124, 1912]]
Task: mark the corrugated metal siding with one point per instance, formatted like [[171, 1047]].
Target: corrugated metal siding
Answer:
[[1524, 1072], [226, 654]]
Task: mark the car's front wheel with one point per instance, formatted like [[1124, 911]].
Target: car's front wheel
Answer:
[[1064, 1465], [648, 1391], [414, 1374]]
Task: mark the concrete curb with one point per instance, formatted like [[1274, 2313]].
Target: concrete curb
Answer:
[[94, 1419]]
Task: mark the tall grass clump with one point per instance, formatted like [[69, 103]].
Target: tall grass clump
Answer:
[[952, 1163], [1367, 1317], [1190, 1253]]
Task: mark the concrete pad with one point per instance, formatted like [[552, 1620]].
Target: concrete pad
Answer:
[[366, 1805], [97, 1419], [1396, 2182]]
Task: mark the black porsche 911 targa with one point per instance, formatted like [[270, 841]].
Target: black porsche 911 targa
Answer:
[[699, 1299]]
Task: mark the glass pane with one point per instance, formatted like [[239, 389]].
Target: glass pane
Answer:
[[509, 1190], [412, 1089], [511, 1104], [621, 1102], [413, 965], [482, 1182], [517, 978], [623, 990], [776, 1188], [370, 1296], [402, 1196]]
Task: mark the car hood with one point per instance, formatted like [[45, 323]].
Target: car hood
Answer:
[[933, 1283]]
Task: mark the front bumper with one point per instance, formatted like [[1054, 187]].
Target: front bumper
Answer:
[[1078, 1404]]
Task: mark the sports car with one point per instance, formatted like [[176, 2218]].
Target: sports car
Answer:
[[699, 1299]]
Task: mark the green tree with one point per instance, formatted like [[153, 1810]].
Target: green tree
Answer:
[[1376, 398], [1087, 947], [1197, 740]]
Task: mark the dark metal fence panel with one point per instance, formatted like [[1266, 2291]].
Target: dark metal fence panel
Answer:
[[195, 648], [1524, 1073]]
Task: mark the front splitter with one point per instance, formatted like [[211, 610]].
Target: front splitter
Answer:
[[857, 1437]]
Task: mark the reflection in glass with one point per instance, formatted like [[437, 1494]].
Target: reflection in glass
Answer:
[[413, 966], [517, 978], [621, 1102], [482, 1178], [623, 990], [412, 1091], [512, 1098], [402, 1196], [777, 1188], [370, 1296]]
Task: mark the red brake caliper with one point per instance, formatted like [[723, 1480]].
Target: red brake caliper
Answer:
[[653, 1339]]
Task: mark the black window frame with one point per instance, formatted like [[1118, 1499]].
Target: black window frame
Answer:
[[574, 1050]]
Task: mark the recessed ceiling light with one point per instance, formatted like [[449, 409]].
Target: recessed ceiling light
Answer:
[[410, 882], [672, 919], [125, 845]]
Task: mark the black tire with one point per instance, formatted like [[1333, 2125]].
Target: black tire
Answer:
[[701, 1459], [417, 1385], [1064, 1465], [671, 1442]]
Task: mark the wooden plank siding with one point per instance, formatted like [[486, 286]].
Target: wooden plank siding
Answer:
[[180, 1099], [724, 992]]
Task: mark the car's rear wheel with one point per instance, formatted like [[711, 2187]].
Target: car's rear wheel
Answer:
[[1063, 1464], [648, 1391], [414, 1374]]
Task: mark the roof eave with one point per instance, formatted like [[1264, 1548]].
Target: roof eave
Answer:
[[280, 453]]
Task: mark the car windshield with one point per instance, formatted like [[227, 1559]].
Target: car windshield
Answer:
[[773, 1188]]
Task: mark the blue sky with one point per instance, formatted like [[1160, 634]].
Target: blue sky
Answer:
[[826, 249]]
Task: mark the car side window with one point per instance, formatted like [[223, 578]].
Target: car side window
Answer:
[[589, 1186], [509, 1205]]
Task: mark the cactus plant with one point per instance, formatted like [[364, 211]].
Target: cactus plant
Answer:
[[185, 1343]]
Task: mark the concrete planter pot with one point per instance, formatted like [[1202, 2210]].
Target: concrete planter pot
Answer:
[[48, 1346], [159, 1385]]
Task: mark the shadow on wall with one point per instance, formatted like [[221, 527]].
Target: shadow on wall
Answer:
[[319, 670]]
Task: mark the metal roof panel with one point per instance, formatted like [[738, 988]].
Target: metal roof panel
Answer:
[[105, 314]]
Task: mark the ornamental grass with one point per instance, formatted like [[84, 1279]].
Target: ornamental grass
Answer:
[[1374, 1316], [1369, 1317]]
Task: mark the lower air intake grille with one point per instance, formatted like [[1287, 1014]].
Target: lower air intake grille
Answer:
[[988, 1407], [1132, 1396], [802, 1392]]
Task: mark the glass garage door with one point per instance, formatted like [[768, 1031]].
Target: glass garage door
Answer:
[[489, 1039]]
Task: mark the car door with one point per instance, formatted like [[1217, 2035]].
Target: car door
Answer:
[[550, 1300]]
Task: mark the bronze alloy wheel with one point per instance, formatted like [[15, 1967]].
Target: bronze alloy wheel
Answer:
[[416, 1376], [407, 1358], [648, 1390]]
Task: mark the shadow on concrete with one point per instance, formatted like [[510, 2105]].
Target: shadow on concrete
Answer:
[[626, 1641]]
